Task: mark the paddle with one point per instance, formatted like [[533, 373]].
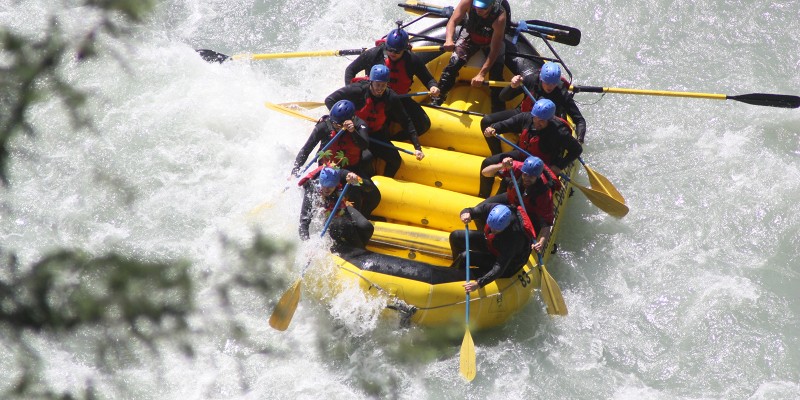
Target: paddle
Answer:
[[453, 110], [597, 181], [284, 311], [313, 160], [303, 104], [549, 290], [316, 104], [758, 99], [289, 111], [384, 144], [466, 362], [602, 200], [213, 56], [600, 183]]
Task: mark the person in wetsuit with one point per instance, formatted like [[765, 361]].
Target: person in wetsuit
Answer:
[[542, 134], [544, 84], [499, 250], [348, 226], [536, 183], [484, 28], [376, 104], [395, 52]]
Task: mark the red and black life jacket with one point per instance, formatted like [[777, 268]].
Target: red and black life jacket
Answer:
[[373, 113], [399, 78], [399, 81], [527, 227], [345, 143], [487, 232], [536, 196], [529, 141]]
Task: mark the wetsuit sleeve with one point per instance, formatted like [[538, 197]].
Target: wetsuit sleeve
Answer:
[[316, 137], [361, 134], [509, 93], [421, 71], [511, 248], [398, 113], [577, 117], [481, 211], [349, 92], [570, 144], [514, 124], [305, 210], [364, 62]]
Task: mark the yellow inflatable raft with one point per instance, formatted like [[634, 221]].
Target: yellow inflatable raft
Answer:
[[408, 258]]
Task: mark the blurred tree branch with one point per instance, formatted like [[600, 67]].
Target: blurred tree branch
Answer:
[[29, 67]]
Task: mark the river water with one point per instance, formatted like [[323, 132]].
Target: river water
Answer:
[[693, 295]]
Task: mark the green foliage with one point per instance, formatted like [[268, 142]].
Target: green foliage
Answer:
[[30, 68], [123, 303], [339, 160]]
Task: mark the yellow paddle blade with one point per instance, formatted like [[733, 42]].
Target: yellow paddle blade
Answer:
[[600, 183], [303, 104], [289, 111], [551, 294], [284, 311], [261, 207], [604, 202], [467, 358]]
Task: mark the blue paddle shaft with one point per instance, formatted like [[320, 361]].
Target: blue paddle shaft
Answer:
[[335, 209], [466, 237], [323, 150]]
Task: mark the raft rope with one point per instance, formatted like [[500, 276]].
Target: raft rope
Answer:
[[530, 272]]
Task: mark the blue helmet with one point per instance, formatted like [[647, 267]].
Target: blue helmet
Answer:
[[379, 73], [544, 109], [550, 73], [482, 3], [533, 166], [342, 111], [329, 177], [499, 218], [397, 40]]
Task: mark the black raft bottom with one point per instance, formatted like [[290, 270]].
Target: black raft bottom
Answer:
[[399, 267]]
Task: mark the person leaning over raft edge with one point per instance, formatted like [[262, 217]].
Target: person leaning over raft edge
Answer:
[[348, 227], [376, 104], [395, 52], [500, 250]]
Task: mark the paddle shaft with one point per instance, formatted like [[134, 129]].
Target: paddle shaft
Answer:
[[467, 355], [384, 144], [759, 99], [322, 53], [338, 135], [466, 239], [335, 209]]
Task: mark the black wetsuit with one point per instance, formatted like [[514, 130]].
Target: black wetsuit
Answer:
[[414, 67], [359, 93], [322, 135], [512, 246], [553, 141], [349, 227]]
